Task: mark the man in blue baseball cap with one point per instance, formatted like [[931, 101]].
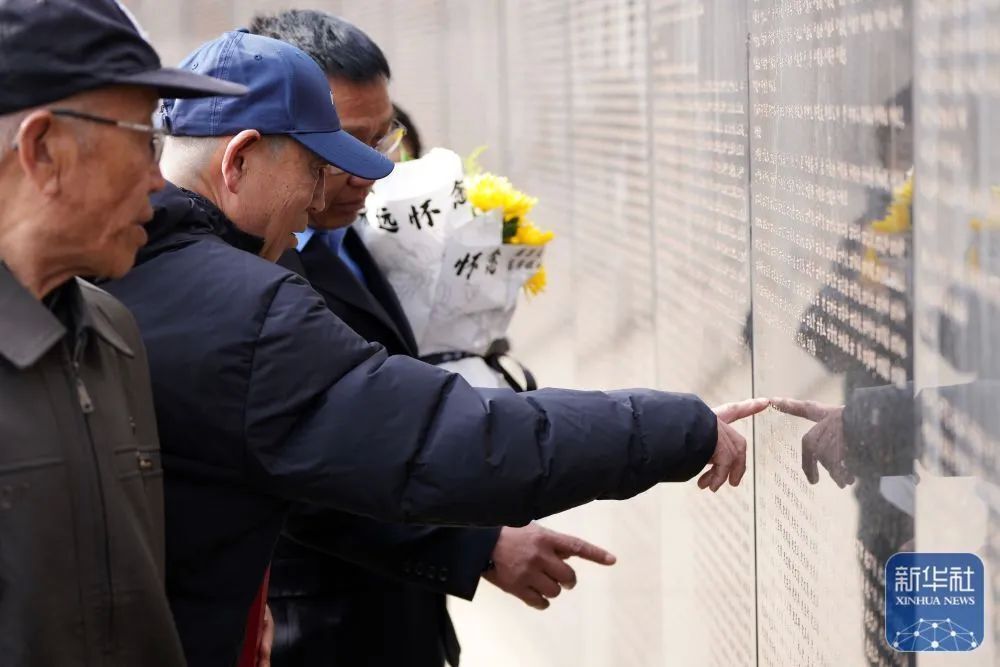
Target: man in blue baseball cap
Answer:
[[81, 500], [261, 158], [340, 597], [265, 397]]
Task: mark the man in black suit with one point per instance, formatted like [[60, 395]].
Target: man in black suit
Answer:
[[370, 593]]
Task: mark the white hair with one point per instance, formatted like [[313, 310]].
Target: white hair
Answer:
[[185, 156], [10, 124]]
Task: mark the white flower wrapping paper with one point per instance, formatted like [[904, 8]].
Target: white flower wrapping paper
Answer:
[[456, 280]]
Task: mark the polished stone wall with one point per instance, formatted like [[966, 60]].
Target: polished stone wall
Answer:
[[721, 175]]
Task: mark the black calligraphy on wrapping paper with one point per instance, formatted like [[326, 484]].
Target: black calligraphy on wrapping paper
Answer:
[[468, 264], [386, 221], [425, 214], [458, 192], [491, 262], [526, 258]]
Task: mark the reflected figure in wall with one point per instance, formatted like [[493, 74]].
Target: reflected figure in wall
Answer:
[[885, 521], [874, 438]]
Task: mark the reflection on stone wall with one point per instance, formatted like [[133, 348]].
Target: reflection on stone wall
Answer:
[[826, 156], [729, 181]]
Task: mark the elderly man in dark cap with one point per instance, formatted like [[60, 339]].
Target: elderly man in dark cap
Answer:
[[81, 502]]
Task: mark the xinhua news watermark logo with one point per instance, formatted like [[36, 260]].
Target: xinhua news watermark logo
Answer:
[[934, 602]]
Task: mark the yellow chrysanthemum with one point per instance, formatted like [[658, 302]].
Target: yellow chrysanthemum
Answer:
[[535, 285], [488, 191], [898, 217], [528, 234]]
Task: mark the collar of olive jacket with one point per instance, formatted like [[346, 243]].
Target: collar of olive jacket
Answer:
[[28, 329]]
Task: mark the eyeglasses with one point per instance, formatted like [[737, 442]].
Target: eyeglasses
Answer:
[[391, 140], [156, 133], [387, 145]]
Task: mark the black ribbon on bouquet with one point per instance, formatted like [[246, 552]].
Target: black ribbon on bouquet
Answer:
[[498, 350]]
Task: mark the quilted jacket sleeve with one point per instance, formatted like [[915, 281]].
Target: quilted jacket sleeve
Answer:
[[332, 419]]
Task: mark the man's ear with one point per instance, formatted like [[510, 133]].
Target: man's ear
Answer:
[[40, 152], [234, 159]]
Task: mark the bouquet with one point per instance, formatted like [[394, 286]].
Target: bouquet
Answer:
[[458, 249]]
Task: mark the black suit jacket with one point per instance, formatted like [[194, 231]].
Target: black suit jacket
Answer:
[[347, 590]]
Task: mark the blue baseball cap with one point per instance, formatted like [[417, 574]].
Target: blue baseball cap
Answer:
[[288, 94]]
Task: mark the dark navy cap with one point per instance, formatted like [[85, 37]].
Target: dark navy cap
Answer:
[[52, 49], [289, 95]]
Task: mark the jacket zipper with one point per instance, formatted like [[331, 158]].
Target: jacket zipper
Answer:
[[87, 408]]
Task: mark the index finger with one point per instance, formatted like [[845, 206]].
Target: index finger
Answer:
[[810, 410], [567, 545], [731, 412]]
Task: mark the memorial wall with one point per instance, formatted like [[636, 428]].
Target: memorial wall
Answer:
[[788, 198]]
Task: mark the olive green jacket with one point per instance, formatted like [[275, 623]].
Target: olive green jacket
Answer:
[[81, 489]]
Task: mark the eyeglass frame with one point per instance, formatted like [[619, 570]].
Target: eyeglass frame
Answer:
[[395, 127], [157, 133]]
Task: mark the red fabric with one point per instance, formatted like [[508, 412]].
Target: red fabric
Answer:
[[248, 656]]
